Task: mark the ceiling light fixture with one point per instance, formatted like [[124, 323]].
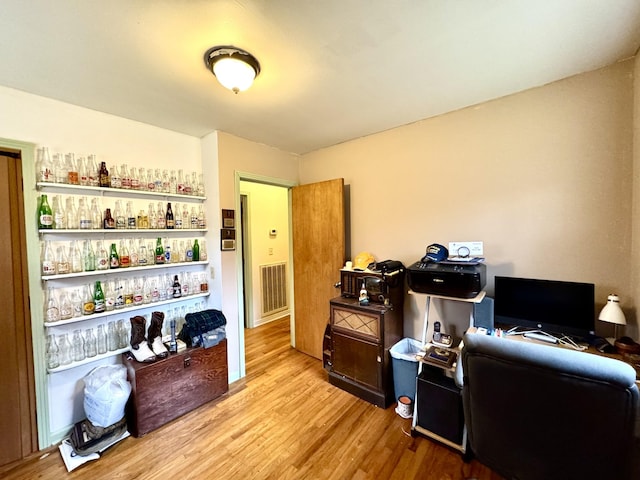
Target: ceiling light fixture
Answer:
[[234, 68]]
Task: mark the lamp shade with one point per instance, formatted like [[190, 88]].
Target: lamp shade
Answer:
[[234, 68], [612, 312]]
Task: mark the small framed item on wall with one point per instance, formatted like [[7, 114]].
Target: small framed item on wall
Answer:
[[227, 239], [228, 218]]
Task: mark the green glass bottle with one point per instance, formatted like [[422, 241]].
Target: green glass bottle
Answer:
[[159, 252], [98, 298], [45, 216], [114, 259], [196, 251]]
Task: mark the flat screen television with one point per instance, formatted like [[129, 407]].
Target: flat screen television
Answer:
[[549, 305]]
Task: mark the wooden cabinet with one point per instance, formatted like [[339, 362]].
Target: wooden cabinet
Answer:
[[164, 390], [361, 337]]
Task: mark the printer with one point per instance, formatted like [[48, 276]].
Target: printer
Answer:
[[449, 279]]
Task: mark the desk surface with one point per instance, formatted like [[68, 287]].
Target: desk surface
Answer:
[[633, 360]]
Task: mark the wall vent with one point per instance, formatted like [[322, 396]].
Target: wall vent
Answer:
[[273, 283]]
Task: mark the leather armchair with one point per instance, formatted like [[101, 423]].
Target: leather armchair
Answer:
[[540, 412]]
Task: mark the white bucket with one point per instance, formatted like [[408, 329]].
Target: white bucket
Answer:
[[405, 407]]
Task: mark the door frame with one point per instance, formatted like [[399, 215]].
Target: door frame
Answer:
[[36, 296], [278, 182]]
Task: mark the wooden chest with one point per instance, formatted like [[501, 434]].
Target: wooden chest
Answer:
[[169, 388]]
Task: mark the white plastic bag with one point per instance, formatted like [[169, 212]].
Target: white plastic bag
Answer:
[[106, 392]]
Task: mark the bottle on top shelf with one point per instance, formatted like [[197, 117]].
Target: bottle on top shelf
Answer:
[[73, 177], [45, 216], [60, 168], [125, 259], [51, 307], [169, 221], [97, 221], [62, 261], [102, 257], [93, 171], [121, 220], [116, 179], [84, 215], [125, 177], [131, 218], [48, 259], [59, 216], [83, 173], [103, 175], [162, 217], [44, 166]]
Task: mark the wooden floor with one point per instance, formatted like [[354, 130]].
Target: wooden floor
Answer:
[[282, 421]]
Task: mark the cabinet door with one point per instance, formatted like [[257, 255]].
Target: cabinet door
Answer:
[[358, 360]]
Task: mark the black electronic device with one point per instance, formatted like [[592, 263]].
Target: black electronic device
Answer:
[[549, 305], [451, 280], [483, 314], [380, 287]]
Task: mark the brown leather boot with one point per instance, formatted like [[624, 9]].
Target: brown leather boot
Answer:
[[154, 336], [139, 347]]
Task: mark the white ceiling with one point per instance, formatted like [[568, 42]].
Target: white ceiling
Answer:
[[332, 70]]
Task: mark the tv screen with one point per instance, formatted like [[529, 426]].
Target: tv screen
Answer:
[[548, 305]]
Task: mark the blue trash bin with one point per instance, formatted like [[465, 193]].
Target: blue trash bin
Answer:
[[405, 367]]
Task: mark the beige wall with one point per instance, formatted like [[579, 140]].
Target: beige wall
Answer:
[[635, 246], [240, 155], [543, 178]]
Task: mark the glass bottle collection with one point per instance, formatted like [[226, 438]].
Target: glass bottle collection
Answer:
[[67, 257], [90, 216], [66, 303], [65, 349], [74, 169]]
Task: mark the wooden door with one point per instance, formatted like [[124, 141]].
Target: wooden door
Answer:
[[318, 254], [17, 401]]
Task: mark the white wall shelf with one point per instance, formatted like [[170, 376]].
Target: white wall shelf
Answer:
[[120, 271], [118, 231], [115, 192], [123, 311], [101, 356]]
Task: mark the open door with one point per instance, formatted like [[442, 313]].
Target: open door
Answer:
[[318, 220]]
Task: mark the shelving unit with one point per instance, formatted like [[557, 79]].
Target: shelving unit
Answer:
[[438, 412], [72, 234]]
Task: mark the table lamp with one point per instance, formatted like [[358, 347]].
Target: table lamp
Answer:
[[612, 313]]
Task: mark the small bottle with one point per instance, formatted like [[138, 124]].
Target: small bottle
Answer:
[[194, 218], [51, 307], [59, 217], [151, 183], [83, 174], [177, 289], [203, 250], [102, 257], [103, 175], [119, 291], [128, 293], [135, 179], [76, 302], [44, 166], [48, 259], [90, 343], [66, 308], [131, 218], [45, 216], [189, 252], [196, 251], [96, 218], [138, 296], [168, 258], [109, 296], [112, 337], [75, 258], [146, 290], [93, 171], [114, 259], [109, 222], [153, 220], [101, 340], [134, 258], [180, 186], [159, 252], [125, 259], [88, 307], [72, 214], [62, 262], [178, 217], [84, 215], [155, 291], [142, 254], [169, 221], [73, 177], [52, 352], [162, 217], [64, 349], [88, 256], [77, 346], [121, 220], [166, 183], [173, 182], [122, 334], [98, 298], [186, 220], [60, 168], [126, 178], [202, 222], [116, 179], [173, 344]]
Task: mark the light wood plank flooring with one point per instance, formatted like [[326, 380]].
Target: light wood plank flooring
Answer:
[[282, 421]]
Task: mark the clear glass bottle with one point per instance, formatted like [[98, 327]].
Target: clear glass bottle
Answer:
[[59, 217], [146, 290], [157, 180], [84, 216], [112, 336], [88, 256], [88, 307], [64, 349], [96, 216], [134, 258], [92, 171], [180, 185], [132, 223], [75, 258], [188, 190], [102, 257], [76, 301], [173, 183], [142, 179], [142, 254], [90, 343], [126, 177], [200, 185], [48, 259], [62, 262], [153, 220], [83, 173], [51, 307], [119, 294], [77, 346], [177, 216], [52, 352], [135, 179], [168, 258], [121, 219], [186, 219], [123, 341], [166, 183], [101, 338], [194, 218], [203, 250], [125, 258], [61, 170], [66, 307], [128, 293], [73, 177], [151, 182], [188, 254], [109, 296], [116, 177], [155, 291], [161, 218], [45, 167], [138, 295], [202, 221], [72, 213]]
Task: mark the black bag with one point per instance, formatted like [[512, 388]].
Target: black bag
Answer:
[[203, 329]]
